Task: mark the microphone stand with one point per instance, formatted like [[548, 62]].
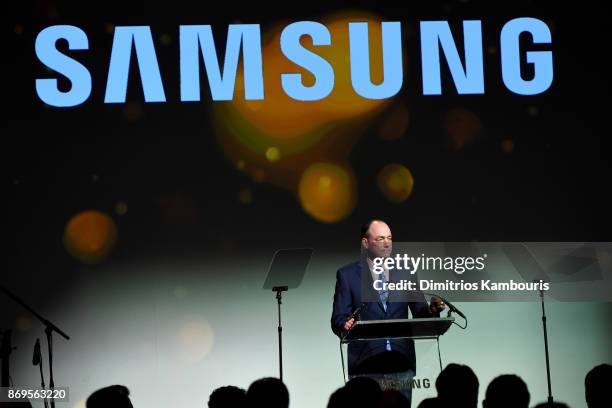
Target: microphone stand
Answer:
[[550, 397], [37, 358], [42, 383], [279, 298], [49, 329]]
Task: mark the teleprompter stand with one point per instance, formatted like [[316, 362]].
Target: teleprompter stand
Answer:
[[286, 272], [418, 328]]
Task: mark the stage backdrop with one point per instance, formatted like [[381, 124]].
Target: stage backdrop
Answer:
[[175, 329]]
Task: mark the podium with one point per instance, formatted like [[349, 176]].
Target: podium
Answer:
[[419, 328]]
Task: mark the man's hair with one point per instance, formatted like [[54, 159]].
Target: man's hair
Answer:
[[366, 227]]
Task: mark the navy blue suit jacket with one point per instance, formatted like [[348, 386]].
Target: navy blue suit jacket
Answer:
[[354, 287]]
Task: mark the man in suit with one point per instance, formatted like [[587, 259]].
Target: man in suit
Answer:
[[390, 362]]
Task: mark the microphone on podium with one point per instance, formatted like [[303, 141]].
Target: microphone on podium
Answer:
[[451, 307], [357, 311]]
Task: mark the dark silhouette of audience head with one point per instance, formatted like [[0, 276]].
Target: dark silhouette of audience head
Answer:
[[429, 403], [268, 392], [227, 397], [392, 399], [596, 385], [116, 396], [554, 404], [339, 399], [457, 386], [363, 391], [506, 391], [359, 392]]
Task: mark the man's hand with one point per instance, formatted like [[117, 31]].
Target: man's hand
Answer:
[[436, 305], [349, 323]]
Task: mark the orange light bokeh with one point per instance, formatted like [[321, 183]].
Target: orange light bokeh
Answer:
[[396, 182], [90, 236], [327, 192]]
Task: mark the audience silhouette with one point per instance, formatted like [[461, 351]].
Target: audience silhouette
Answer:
[[554, 404], [227, 397], [392, 399], [359, 392], [457, 387], [429, 403], [116, 396], [268, 392], [506, 391], [339, 399], [363, 392], [596, 385]]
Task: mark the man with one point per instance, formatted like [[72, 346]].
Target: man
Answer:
[[596, 385], [506, 391], [228, 396], [268, 392], [116, 396], [391, 362]]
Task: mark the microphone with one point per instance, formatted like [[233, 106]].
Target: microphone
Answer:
[[354, 315], [357, 311], [36, 357], [451, 307]]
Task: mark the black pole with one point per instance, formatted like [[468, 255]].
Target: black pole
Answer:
[[49, 333], [279, 299], [550, 397], [280, 336], [42, 383], [44, 321], [37, 360]]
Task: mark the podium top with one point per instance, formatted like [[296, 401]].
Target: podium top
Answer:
[[419, 328]]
